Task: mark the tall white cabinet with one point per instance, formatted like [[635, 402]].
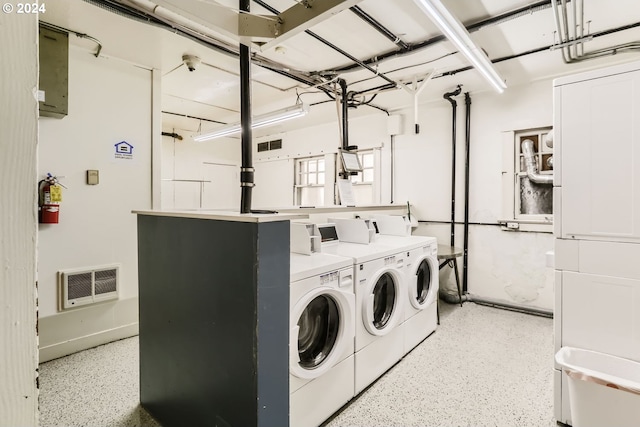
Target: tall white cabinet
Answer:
[[597, 216]]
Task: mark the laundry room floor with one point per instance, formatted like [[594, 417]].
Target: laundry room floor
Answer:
[[482, 367]]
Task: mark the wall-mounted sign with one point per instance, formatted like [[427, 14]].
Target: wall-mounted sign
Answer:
[[124, 150]]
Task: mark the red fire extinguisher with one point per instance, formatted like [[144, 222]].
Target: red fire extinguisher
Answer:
[[50, 196]]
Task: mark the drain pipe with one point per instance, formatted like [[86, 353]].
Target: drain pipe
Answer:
[[449, 97], [345, 113], [246, 169], [467, 103], [530, 164]]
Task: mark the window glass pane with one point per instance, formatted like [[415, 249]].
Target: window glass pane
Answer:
[[303, 179], [367, 160], [368, 175], [321, 178], [312, 165], [321, 165], [303, 166], [313, 178], [312, 196]]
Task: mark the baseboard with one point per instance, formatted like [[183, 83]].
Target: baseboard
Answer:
[[83, 328]]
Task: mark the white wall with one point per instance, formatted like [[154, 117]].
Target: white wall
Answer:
[[275, 189], [200, 174], [503, 265], [109, 101], [18, 228]]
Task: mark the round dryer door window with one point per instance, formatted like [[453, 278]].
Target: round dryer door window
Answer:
[[423, 282], [318, 325], [384, 301]]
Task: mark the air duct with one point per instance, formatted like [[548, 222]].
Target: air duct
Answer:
[[530, 164]]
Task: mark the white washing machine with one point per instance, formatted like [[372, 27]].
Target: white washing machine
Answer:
[[322, 307], [421, 309], [380, 289]]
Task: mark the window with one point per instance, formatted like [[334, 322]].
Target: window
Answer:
[[526, 201], [310, 179], [367, 174], [532, 199], [364, 183]]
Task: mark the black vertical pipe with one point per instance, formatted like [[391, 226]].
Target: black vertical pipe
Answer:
[[449, 97], [246, 169], [467, 103], [345, 113]]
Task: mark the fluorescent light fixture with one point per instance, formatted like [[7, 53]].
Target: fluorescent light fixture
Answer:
[[457, 34], [263, 120]]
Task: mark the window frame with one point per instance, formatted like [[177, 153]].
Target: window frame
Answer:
[[512, 219]]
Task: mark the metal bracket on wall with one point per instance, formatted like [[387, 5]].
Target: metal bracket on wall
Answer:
[[415, 89]]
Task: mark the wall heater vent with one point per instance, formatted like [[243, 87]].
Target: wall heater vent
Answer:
[[80, 287]]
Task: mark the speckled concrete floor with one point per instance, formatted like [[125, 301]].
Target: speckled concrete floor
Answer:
[[482, 367]]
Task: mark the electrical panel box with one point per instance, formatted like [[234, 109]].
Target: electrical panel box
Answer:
[[54, 72]]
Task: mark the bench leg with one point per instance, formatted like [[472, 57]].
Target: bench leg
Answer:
[[455, 269]]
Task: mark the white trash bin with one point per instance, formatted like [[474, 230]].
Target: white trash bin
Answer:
[[604, 390]]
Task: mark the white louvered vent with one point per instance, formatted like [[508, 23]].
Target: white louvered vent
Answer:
[[88, 286]]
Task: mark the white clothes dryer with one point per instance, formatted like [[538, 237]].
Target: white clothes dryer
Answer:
[[380, 293], [421, 310], [322, 311]]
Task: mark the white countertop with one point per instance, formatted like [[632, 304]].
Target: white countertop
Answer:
[[223, 215], [340, 208]]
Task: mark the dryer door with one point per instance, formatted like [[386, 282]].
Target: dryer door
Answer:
[[382, 309], [423, 282], [321, 329]]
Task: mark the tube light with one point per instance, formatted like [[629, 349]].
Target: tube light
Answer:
[[263, 120], [457, 34]]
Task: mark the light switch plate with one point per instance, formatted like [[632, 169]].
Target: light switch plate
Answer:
[[93, 177]]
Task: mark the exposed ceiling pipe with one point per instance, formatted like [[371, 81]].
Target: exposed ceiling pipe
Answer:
[[454, 105], [523, 11], [246, 169], [530, 164], [331, 45], [143, 11], [384, 88], [570, 43], [467, 145], [378, 26], [345, 114]]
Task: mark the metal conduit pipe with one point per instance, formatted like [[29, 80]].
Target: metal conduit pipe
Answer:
[[572, 46], [331, 45], [467, 134], [146, 12], [449, 97], [378, 26], [532, 8], [530, 164], [246, 169], [345, 114]]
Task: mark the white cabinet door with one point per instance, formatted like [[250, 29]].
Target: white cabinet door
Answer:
[[600, 149], [601, 313]]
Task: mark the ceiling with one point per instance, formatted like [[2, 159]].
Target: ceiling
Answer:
[[286, 72]]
